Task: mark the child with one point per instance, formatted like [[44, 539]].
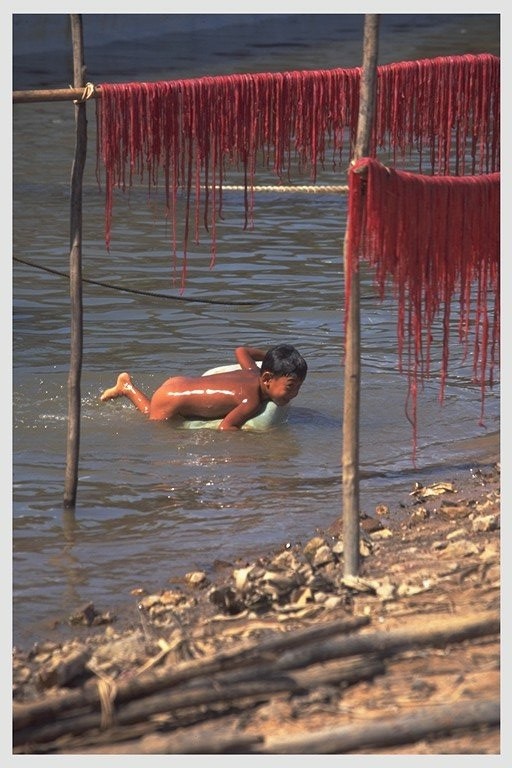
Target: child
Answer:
[[233, 396]]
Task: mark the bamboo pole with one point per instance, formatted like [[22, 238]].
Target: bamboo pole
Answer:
[[75, 272], [352, 374]]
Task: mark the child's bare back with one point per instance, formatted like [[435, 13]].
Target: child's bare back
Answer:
[[210, 397], [234, 396]]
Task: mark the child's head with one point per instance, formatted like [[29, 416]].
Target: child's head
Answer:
[[283, 371], [284, 360]]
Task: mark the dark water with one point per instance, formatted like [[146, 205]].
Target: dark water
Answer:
[[155, 502]]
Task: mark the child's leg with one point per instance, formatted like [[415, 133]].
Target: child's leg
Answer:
[[124, 386]]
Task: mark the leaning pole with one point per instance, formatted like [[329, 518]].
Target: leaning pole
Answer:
[[75, 272], [352, 374]]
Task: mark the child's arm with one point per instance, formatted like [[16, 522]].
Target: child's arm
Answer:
[[245, 410], [236, 418], [246, 357]]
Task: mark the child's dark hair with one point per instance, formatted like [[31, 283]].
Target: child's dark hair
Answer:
[[284, 360]]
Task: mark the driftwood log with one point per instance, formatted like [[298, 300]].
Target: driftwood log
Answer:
[[193, 692], [392, 731], [376, 734], [26, 715]]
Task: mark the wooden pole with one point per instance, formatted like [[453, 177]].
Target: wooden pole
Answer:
[[56, 94], [75, 271], [352, 376]]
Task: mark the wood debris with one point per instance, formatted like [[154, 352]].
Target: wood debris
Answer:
[[285, 654]]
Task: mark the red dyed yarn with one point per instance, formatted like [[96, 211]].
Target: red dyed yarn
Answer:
[[193, 129], [445, 109], [434, 238]]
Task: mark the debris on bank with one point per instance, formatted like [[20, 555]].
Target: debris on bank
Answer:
[[283, 648]]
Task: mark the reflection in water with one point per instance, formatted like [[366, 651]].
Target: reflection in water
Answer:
[[65, 561]]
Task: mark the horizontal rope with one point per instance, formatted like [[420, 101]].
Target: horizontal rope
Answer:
[[153, 294], [312, 189]]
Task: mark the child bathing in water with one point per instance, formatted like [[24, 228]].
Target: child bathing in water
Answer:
[[233, 396]]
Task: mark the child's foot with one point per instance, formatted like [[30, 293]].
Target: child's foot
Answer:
[[123, 382]]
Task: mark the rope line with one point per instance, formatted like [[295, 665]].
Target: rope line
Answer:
[[155, 295], [88, 92], [315, 190]]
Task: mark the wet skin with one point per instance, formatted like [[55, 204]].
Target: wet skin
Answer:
[[234, 396]]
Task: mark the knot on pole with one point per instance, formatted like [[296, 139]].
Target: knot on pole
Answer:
[[88, 93]]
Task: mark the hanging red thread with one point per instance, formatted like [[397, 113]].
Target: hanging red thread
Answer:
[[447, 109], [194, 129], [432, 238], [444, 109]]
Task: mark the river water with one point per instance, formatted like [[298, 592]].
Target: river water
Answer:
[[155, 502]]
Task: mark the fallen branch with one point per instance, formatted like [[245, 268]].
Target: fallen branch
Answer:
[[254, 674], [391, 732], [258, 686], [48, 709], [438, 633]]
